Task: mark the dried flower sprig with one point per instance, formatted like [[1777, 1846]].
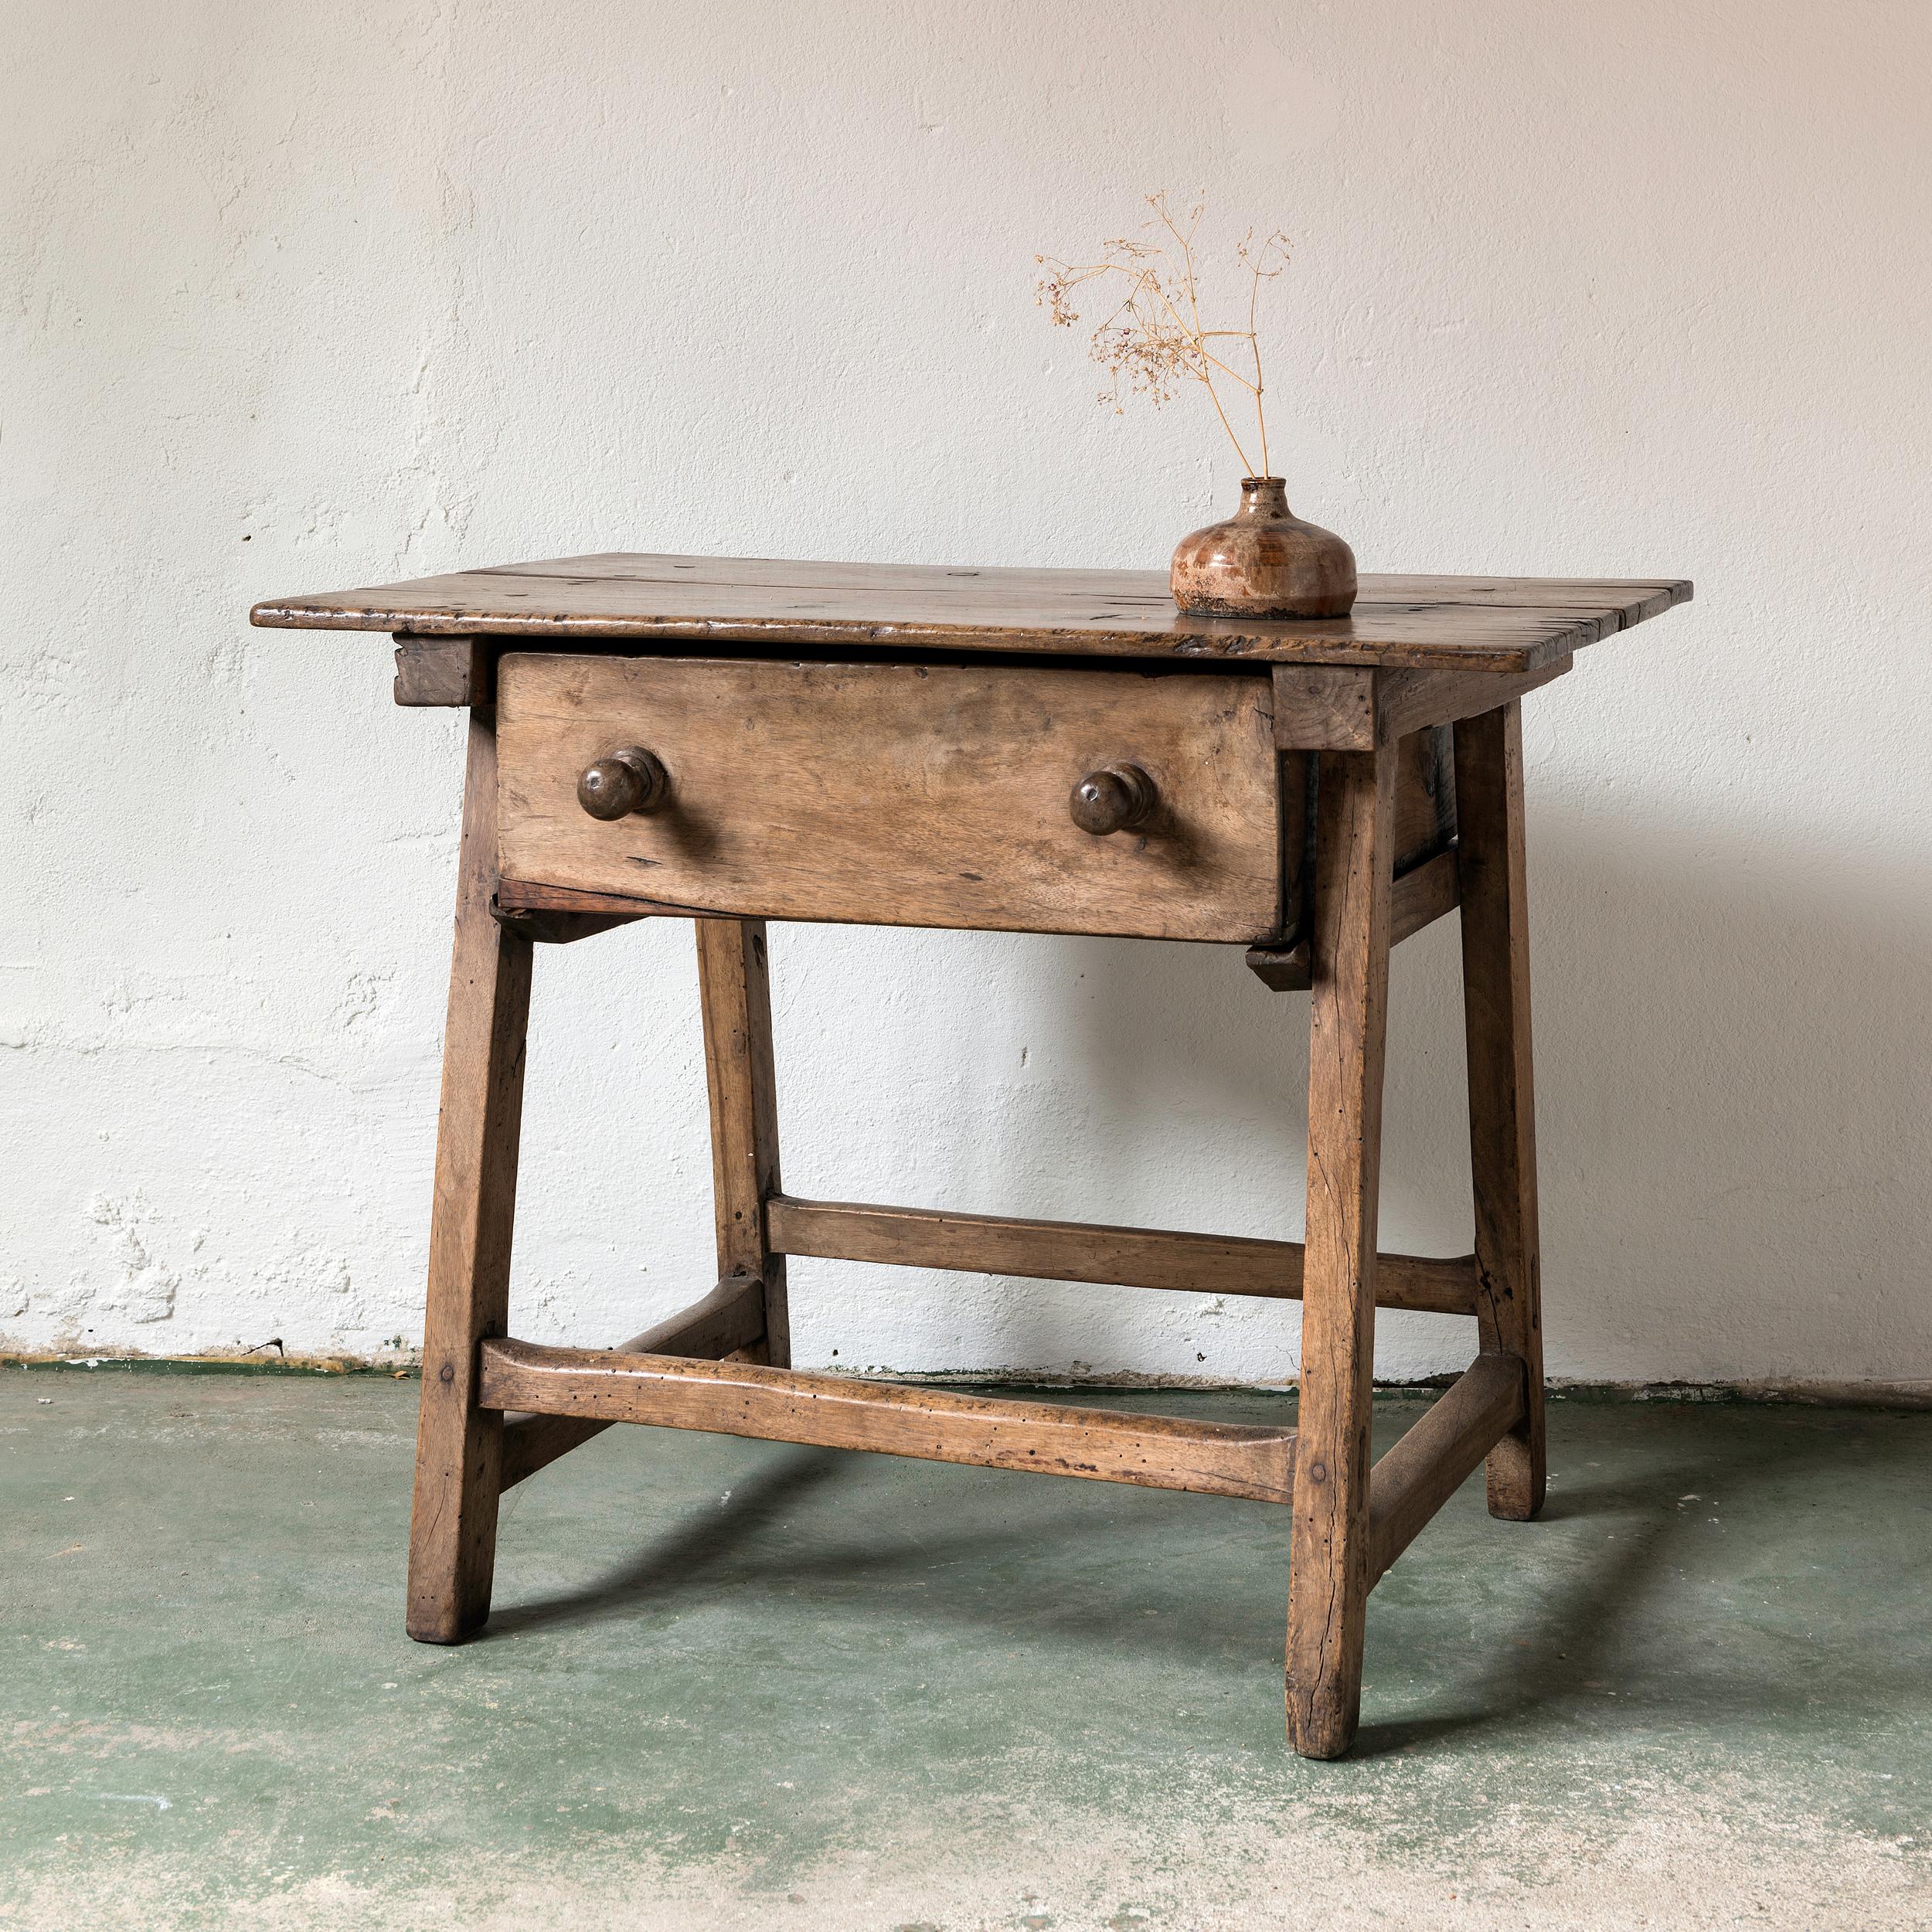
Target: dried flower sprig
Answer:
[[1154, 339]]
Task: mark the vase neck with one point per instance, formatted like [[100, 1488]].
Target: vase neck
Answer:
[[1263, 496]]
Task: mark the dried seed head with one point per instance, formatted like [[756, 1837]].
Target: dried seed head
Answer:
[[1152, 340]]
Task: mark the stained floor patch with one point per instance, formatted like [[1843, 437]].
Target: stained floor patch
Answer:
[[739, 1683]]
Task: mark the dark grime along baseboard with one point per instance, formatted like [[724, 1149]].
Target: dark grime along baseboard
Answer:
[[1819, 1393]]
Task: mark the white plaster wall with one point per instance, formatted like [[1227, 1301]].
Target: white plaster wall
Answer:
[[297, 297]]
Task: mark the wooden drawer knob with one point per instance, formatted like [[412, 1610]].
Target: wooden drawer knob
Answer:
[[627, 781], [1116, 798]]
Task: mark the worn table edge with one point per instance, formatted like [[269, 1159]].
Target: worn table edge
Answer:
[[1319, 642]]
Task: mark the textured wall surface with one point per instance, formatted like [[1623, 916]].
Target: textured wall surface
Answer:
[[297, 297]]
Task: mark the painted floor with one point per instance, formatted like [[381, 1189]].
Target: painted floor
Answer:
[[736, 1684]]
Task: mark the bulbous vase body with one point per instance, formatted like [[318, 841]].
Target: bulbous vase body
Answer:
[[1264, 561]]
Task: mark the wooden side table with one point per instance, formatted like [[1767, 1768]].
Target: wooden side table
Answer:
[[1053, 751]]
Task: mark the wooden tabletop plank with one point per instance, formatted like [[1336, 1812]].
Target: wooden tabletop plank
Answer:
[[1467, 623]]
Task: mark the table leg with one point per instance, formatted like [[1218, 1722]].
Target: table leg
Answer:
[[735, 988], [1502, 1120], [1328, 1581], [459, 1447]]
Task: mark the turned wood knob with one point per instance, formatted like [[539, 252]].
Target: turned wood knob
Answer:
[[1116, 798], [627, 781]]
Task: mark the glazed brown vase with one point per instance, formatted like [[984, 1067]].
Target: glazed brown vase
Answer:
[[1264, 561]]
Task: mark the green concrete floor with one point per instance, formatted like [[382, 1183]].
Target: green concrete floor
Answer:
[[732, 1683]]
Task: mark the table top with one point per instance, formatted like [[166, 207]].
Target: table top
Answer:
[[1440, 622]]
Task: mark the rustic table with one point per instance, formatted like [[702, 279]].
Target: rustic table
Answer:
[[1053, 751]]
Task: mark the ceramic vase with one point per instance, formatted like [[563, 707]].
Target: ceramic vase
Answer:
[[1264, 561]]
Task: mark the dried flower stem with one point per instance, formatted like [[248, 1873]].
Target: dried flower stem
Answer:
[[1154, 336]]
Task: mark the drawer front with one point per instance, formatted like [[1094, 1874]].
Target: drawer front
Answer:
[[898, 795]]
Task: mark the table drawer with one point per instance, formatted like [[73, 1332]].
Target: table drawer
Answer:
[[898, 795]]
